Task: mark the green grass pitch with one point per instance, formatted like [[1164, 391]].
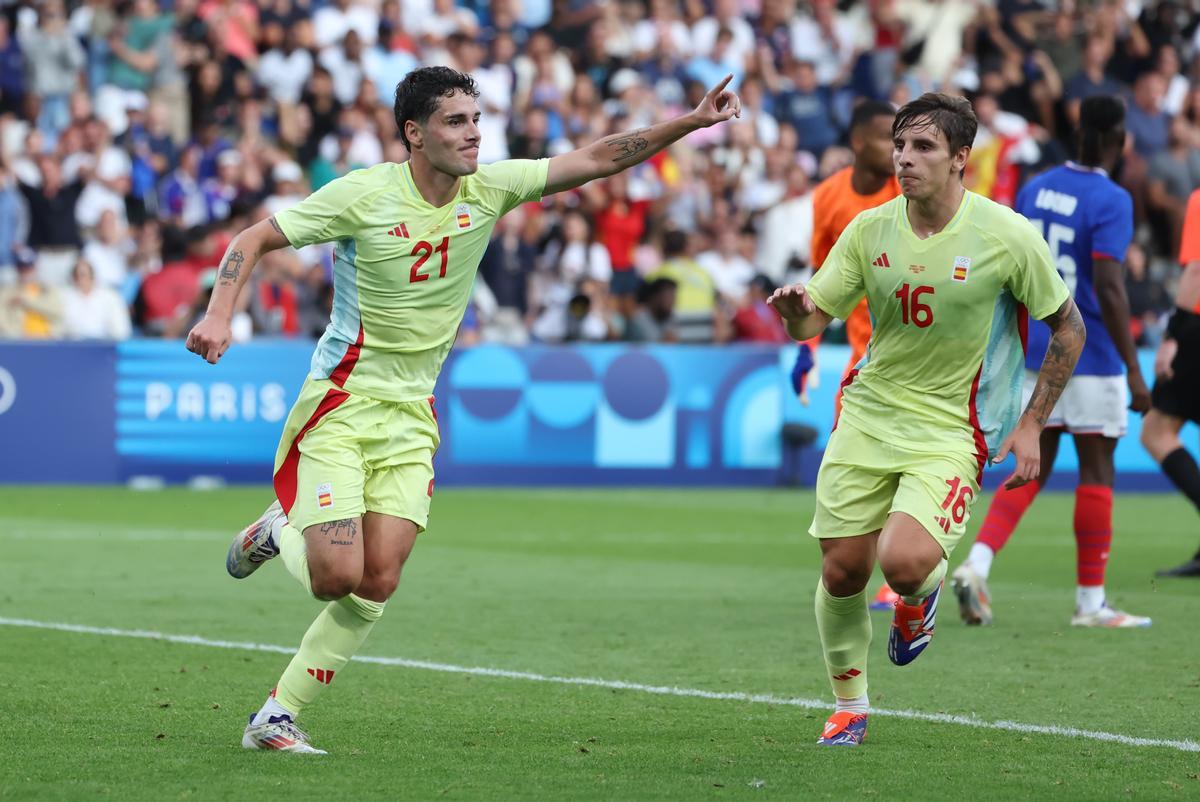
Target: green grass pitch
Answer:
[[705, 590]]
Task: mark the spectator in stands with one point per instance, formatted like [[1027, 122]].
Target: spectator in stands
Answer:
[[53, 59], [1174, 173], [92, 311], [730, 272], [695, 299], [53, 230], [107, 254], [1092, 78], [654, 319], [12, 72], [275, 305], [31, 309], [507, 263], [756, 322], [785, 233], [1145, 119], [808, 107], [180, 196]]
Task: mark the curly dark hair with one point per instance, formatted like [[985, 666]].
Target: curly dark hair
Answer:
[[418, 95], [951, 115]]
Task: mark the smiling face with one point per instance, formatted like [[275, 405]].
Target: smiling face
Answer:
[[449, 139], [923, 161]]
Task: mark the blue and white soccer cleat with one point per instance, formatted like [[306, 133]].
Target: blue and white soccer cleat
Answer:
[[844, 729], [255, 544], [278, 734], [912, 628]]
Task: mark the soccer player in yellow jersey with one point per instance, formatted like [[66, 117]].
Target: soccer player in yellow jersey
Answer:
[[353, 472], [948, 276]]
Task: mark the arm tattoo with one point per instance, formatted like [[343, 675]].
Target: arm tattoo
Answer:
[[628, 145], [1063, 352], [232, 268], [275, 226], [340, 533]]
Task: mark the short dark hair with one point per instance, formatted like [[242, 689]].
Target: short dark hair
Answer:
[[1101, 127], [418, 95], [951, 115], [868, 110]]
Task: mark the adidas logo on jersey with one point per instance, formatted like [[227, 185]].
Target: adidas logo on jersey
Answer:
[[882, 261], [399, 231]]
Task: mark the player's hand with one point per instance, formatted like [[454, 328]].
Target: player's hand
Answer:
[[1025, 446], [1164, 357], [718, 105], [210, 338], [792, 302], [1140, 402]]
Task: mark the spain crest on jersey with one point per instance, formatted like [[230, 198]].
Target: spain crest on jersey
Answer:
[[463, 212], [962, 264]]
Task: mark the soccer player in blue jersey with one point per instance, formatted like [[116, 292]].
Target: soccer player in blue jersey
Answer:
[[1088, 222]]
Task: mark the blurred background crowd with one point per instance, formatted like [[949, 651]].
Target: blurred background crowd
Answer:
[[137, 137]]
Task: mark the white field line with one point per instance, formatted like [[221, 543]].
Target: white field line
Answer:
[[661, 690]]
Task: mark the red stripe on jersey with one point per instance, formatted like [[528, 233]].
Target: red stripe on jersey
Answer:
[[342, 371], [846, 382], [1101, 255], [981, 448], [1023, 327], [285, 478]]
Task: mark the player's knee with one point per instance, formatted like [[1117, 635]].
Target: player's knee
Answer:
[[378, 585], [843, 579], [333, 585], [903, 573]]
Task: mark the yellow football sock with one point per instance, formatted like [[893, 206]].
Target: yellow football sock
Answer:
[[328, 645], [844, 625], [929, 585], [294, 553]]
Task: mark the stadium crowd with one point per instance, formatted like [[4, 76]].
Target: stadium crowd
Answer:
[[137, 137]]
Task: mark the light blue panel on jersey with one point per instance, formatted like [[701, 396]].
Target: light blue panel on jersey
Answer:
[[346, 318]]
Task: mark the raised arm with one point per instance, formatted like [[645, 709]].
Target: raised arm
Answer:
[[1114, 309], [802, 317], [619, 152], [211, 336], [1066, 342]]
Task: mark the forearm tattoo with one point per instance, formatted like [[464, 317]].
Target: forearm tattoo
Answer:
[[1066, 342], [627, 145], [231, 268], [340, 533]]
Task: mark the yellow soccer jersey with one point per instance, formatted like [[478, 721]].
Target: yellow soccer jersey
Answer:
[[944, 364], [403, 269]]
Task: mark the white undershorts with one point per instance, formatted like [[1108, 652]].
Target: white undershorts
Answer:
[[1089, 405]]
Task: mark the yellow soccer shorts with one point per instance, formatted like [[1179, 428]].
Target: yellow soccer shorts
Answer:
[[862, 480], [343, 454]]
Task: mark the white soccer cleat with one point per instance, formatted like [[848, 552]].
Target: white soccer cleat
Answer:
[[255, 544], [1108, 618], [974, 599], [278, 734]]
